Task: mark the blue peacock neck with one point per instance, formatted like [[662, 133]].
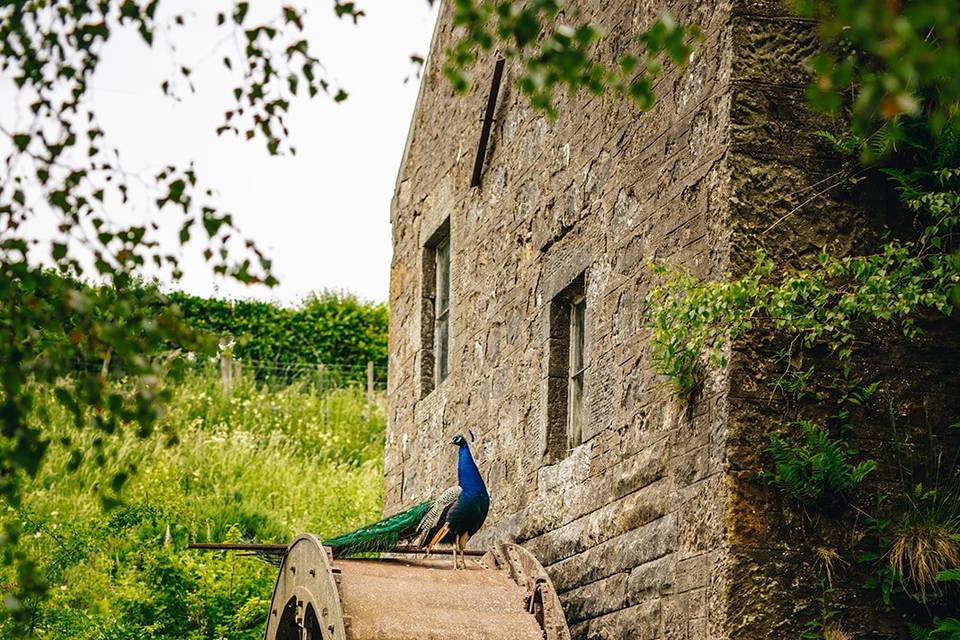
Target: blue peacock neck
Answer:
[[468, 475]]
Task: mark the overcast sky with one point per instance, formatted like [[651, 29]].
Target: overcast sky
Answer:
[[323, 215]]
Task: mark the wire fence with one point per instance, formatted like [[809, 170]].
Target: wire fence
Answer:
[[322, 376]]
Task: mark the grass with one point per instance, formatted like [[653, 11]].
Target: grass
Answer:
[[926, 541], [252, 465]]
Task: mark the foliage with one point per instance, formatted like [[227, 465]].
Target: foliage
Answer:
[[831, 303], [327, 328], [47, 325], [694, 319], [818, 469], [557, 54], [917, 529], [891, 72], [824, 626], [883, 61], [252, 465], [925, 540], [58, 166], [944, 628], [883, 577]]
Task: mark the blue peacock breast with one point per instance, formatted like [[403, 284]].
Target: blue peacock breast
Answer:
[[469, 513]]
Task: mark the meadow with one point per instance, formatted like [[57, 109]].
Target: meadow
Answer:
[[255, 464]]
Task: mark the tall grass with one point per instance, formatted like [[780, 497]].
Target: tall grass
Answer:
[[256, 464]]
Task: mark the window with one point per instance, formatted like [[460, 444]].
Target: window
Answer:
[[441, 347], [435, 310], [567, 366], [577, 369]]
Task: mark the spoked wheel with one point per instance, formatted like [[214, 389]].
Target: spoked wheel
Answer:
[[306, 602]]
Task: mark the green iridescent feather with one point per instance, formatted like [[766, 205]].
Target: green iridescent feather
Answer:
[[380, 536]]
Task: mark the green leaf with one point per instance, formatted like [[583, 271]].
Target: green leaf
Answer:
[[21, 140]]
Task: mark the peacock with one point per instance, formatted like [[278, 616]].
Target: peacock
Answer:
[[451, 517]]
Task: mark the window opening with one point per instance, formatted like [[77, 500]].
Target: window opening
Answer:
[[442, 310]]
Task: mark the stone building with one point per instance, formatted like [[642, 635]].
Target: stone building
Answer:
[[517, 306]]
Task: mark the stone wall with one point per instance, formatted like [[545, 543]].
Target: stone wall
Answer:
[[790, 195], [657, 525], [629, 524]]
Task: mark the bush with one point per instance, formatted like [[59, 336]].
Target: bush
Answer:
[[329, 328]]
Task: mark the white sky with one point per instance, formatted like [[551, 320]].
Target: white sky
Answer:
[[322, 215]]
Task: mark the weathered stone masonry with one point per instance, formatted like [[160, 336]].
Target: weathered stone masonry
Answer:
[[636, 524]]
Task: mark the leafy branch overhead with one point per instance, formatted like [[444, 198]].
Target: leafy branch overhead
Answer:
[[557, 48], [62, 176], [886, 63], [59, 165]]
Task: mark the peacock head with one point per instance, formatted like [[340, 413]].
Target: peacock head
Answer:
[[460, 441]]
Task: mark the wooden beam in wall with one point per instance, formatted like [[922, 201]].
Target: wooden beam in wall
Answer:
[[487, 123]]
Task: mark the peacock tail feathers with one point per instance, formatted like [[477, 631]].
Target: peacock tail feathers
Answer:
[[380, 536]]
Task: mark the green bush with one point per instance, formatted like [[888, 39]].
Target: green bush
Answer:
[[252, 465], [329, 328]]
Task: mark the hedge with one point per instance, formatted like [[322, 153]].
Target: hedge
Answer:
[[331, 328]]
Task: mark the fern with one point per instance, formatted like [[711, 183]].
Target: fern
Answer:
[[918, 632], [818, 469], [949, 575], [945, 629]]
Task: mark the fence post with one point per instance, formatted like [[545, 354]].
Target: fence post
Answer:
[[369, 388], [105, 368], [226, 371], [321, 391]]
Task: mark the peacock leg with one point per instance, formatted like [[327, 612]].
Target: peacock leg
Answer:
[[461, 542]]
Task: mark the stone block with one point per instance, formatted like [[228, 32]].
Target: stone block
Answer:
[[640, 622], [609, 521], [596, 598], [622, 553]]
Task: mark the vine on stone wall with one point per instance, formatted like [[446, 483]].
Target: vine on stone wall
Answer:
[[693, 319]]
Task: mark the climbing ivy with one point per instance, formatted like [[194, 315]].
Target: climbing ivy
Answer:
[[693, 319], [832, 303]]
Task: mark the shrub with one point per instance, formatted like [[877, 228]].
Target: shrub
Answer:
[[925, 540], [329, 328]]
